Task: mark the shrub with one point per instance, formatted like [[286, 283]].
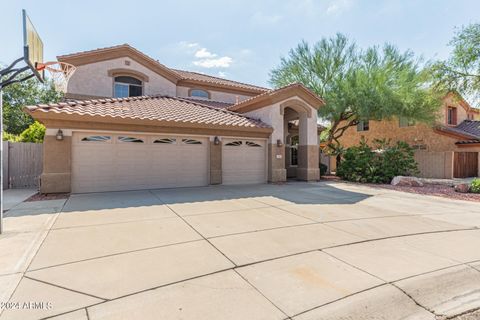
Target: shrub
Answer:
[[475, 186], [377, 164], [10, 137], [34, 133]]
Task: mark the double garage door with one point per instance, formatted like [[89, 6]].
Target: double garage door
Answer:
[[115, 162]]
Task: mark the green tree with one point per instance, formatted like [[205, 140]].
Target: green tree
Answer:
[[373, 84], [34, 133], [461, 71], [18, 95]]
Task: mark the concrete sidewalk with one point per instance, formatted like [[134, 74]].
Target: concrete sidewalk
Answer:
[[13, 197], [294, 251]]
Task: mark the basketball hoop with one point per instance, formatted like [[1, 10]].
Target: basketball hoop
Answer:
[[60, 72]]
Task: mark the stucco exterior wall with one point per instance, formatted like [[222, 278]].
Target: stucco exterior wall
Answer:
[[450, 101], [420, 135], [214, 95], [93, 79]]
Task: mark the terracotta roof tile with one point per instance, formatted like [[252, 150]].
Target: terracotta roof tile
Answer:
[[272, 92], [470, 126], [467, 142], [190, 75], [210, 103], [161, 108], [469, 129]]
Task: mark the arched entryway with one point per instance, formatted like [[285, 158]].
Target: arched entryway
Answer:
[[301, 140]]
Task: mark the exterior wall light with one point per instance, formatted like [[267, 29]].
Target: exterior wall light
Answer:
[[59, 135], [216, 141], [279, 143]]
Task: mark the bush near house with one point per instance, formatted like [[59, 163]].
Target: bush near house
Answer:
[[475, 186], [10, 137], [378, 163], [34, 133]]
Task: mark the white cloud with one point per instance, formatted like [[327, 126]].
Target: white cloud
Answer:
[[222, 74], [204, 53], [222, 62], [338, 6], [187, 44]]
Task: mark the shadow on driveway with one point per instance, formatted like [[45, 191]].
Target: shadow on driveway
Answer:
[[292, 192]]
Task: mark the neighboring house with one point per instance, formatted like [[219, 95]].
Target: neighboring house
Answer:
[[450, 148], [129, 123]]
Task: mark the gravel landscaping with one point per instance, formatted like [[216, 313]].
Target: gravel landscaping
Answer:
[[432, 190]]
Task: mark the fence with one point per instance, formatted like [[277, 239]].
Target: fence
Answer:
[[22, 164], [435, 164]]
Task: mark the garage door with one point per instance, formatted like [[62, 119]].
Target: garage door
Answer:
[[114, 162], [243, 161]]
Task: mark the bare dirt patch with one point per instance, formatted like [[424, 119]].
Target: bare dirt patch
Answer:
[[48, 196]]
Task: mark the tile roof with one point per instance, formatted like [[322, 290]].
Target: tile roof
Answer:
[[469, 129], [210, 103], [175, 74], [293, 87], [160, 108], [190, 75], [470, 126], [467, 142]]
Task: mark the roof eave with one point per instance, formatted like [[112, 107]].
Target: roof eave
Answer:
[[125, 50], [42, 116], [278, 95]]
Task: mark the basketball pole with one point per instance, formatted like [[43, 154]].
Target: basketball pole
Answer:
[[1, 160], [11, 74]]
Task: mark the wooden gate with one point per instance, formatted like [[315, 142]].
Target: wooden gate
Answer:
[[465, 164], [24, 164]]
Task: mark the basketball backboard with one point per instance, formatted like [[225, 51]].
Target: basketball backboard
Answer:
[[32, 47]]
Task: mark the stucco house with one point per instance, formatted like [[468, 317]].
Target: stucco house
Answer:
[[450, 148], [129, 122]]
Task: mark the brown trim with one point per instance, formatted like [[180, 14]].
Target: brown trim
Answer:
[[152, 124], [218, 87], [466, 145], [197, 88], [127, 72], [83, 58], [88, 125], [452, 134], [275, 96]]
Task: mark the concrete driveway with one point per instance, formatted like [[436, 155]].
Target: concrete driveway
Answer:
[[294, 251]]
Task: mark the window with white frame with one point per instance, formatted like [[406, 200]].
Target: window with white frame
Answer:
[[199, 93], [125, 86]]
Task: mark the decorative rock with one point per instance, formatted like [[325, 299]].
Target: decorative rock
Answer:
[[406, 181], [462, 188]]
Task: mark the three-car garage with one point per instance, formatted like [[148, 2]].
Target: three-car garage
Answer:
[[105, 161]]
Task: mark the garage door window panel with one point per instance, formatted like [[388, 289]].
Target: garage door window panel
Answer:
[[165, 141], [252, 144], [103, 139], [234, 144], [127, 139], [191, 141]]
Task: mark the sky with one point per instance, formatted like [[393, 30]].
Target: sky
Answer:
[[241, 39]]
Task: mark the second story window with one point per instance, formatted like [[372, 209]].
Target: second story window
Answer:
[[127, 87], [452, 116], [199, 93], [363, 125]]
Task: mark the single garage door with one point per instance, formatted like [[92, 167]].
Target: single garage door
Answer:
[[114, 162], [244, 161]]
